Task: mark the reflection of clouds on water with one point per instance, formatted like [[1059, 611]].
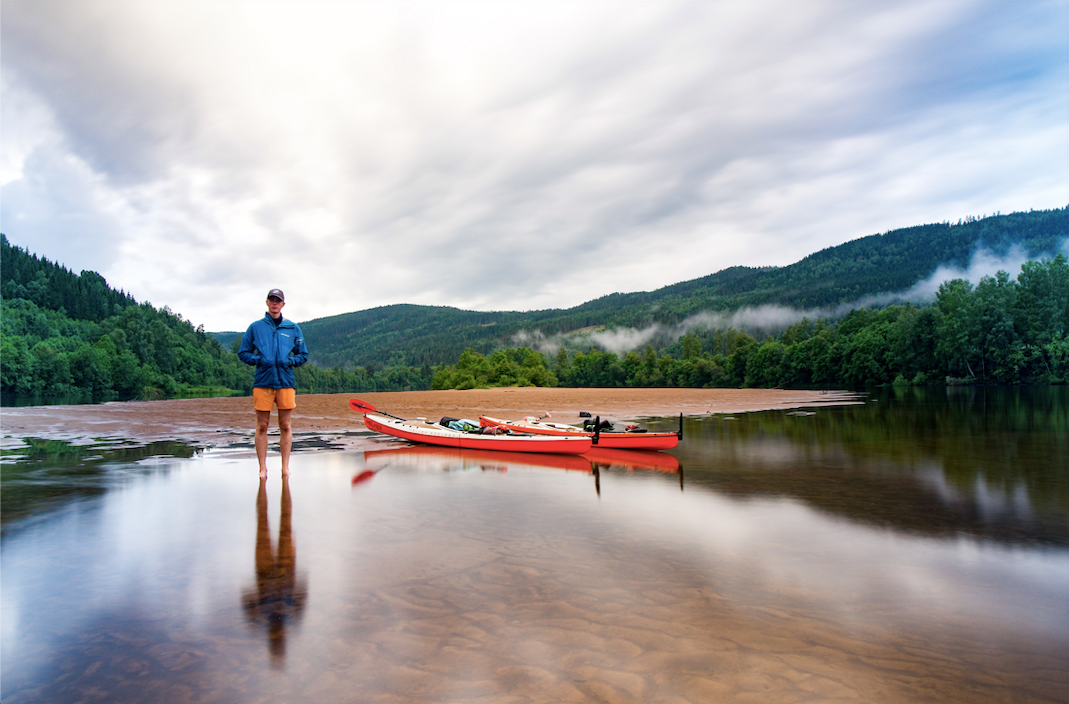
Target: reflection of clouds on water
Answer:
[[771, 547], [522, 585], [993, 502], [926, 486], [280, 595], [527, 570]]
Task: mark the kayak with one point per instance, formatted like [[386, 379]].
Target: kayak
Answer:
[[420, 430], [628, 440]]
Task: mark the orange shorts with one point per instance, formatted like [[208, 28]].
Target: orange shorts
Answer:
[[263, 399]]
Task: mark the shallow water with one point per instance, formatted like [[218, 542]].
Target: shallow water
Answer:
[[914, 548]]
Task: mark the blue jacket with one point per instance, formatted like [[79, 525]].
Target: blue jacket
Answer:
[[274, 351]]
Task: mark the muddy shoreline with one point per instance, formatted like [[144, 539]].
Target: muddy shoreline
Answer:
[[227, 422]]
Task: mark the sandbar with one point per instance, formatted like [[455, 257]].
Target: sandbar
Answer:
[[221, 422]]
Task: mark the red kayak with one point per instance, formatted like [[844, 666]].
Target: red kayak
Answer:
[[420, 430], [628, 440]]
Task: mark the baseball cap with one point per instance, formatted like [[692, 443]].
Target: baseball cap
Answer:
[[277, 293]]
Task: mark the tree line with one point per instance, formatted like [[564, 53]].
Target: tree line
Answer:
[[140, 353], [63, 333], [1002, 330]]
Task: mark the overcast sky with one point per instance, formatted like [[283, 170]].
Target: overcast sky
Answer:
[[507, 155]]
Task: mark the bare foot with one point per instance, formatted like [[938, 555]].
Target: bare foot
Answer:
[[263, 474], [285, 472]]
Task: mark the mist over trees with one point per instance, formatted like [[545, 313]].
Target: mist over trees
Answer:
[[1001, 331], [854, 274]]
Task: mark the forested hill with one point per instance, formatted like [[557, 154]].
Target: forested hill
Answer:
[[49, 285], [873, 265], [64, 334]]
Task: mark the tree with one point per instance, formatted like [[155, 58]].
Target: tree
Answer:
[[739, 358], [957, 333], [692, 346], [765, 367], [1001, 353]]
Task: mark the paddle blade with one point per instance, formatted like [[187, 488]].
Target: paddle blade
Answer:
[[361, 406], [363, 477]]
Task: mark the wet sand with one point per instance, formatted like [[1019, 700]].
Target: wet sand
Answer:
[[222, 421]]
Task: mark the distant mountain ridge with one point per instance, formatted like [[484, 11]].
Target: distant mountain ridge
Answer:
[[877, 264]]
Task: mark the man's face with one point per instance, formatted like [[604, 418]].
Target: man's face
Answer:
[[274, 306]]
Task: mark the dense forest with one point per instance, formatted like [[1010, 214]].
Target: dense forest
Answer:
[[1001, 331], [878, 264], [63, 333], [67, 335]]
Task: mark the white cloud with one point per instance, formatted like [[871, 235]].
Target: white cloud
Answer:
[[507, 155]]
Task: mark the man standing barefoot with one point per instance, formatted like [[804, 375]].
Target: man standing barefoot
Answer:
[[274, 346]]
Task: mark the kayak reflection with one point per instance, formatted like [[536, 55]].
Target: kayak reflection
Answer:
[[633, 459], [426, 458], [279, 595], [608, 458], [422, 458]]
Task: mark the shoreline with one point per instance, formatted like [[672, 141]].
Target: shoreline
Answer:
[[229, 421]]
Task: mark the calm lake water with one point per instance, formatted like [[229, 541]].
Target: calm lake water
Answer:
[[914, 548]]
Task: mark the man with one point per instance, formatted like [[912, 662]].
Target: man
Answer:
[[275, 346]]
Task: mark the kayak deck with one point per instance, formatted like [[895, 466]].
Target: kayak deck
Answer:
[[434, 434], [606, 439]]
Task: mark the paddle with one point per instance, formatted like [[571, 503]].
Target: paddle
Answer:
[[363, 476], [365, 407]]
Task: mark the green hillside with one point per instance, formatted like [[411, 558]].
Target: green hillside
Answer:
[[877, 264], [64, 334], [71, 335]]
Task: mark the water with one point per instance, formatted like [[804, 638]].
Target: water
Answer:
[[85, 397], [914, 548]]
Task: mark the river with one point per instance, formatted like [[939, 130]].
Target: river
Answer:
[[911, 548]]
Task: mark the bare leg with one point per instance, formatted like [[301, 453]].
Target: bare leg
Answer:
[[262, 419], [285, 438]]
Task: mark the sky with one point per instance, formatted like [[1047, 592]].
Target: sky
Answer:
[[507, 155]]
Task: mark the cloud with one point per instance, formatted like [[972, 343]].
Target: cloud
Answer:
[[507, 156]]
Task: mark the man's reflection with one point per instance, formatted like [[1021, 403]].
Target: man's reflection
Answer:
[[279, 596]]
